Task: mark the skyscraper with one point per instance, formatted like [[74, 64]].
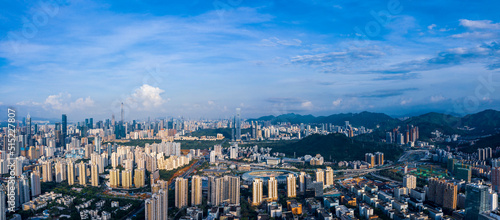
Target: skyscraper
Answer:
[[71, 173], [257, 191], [94, 171], [272, 188], [157, 206], [64, 130], [291, 186], [302, 182], [476, 201], [233, 189], [181, 192], [82, 174], [47, 171], [139, 177], [35, 184], [495, 178], [196, 194], [61, 171], [329, 176], [237, 124], [114, 178], [127, 179], [3, 203], [442, 193]]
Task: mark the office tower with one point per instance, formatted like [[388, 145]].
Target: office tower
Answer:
[[329, 176], [379, 158], [121, 120], [64, 130], [35, 184], [272, 188], [114, 178], [127, 179], [320, 176], [3, 203], [82, 174], [257, 191], [181, 192], [237, 124], [71, 173], [410, 182], [291, 186], [28, 125], [196, 190], [139, 177], [233, 189], [476, 200], [370, 159], [94, 170]]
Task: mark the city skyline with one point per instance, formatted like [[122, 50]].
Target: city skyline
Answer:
[[205, 59]]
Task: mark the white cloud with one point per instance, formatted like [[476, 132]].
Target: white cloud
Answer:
[[81, 103], [210, 102], [479, 24], [147, 97], [337, 102], [274, 41], [307, 104], [62, 102], [474, 35], [432, 26], [28, 103], [1, 103], [437, 98], [405, 101]]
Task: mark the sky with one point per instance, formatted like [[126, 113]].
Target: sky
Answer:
[[204, 59]]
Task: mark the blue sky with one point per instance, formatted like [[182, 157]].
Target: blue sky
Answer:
[[203, 59]]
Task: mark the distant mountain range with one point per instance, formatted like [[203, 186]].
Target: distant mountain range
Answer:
[[484, 122]]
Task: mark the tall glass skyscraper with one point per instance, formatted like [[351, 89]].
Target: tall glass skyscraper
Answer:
[[476, 201], [64, 130], [237, 124]]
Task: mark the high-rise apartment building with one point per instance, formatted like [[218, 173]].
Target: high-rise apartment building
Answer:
[[181, 192], [196, 192], [257, 191], [410, 182], [291, 186], [272, 186]]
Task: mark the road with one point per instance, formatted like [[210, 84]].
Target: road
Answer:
[[130, 215], [188, 172]]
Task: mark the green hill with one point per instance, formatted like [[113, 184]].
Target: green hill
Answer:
[[492, 141], [339, 147], [485, 122]]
